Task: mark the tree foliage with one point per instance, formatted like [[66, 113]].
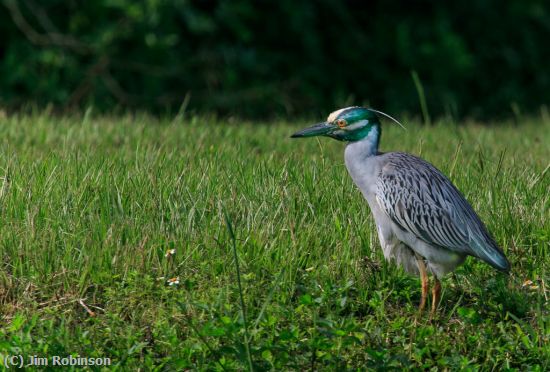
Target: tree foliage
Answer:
[[259, 58]]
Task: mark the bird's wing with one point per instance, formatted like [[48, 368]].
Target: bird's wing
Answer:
[[421, 200]]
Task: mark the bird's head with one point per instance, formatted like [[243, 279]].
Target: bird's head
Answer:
[[348, 124]]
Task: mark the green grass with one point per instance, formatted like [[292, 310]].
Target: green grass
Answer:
[[90, 206]]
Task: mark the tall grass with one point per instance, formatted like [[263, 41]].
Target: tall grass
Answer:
[[90, 207], [421, 98]]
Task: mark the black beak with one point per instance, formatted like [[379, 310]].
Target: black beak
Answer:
[[319, 129]]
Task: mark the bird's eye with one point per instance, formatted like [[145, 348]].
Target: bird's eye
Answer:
[[341, 123]]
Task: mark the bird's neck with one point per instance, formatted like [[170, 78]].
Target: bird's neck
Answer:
[[366, 146]]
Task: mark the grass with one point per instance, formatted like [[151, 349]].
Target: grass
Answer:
[[90, 206]]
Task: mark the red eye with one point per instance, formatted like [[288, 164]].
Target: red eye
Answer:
[[341, 123]]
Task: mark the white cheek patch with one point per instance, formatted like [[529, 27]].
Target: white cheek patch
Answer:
[[357, 125]]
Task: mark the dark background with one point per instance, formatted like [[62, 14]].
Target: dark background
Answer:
[[260, 59]]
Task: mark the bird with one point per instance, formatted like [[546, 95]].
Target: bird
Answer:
[[424, 224]]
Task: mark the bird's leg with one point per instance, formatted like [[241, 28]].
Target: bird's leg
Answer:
[[424, 281], [436, 296]]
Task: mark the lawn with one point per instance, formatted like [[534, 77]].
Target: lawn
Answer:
[[118, 237]]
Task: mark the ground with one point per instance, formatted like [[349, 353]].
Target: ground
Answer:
[[118, 237]]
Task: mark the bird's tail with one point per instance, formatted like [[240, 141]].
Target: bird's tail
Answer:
[[488, 251]]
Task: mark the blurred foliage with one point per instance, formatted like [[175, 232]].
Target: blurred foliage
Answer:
[[263, 58]]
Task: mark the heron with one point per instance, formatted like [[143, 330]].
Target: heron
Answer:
[[424, 224]]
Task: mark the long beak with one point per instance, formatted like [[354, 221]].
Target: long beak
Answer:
[[315, 130]]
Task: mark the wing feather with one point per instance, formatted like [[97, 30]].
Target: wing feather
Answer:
[[421, 200]]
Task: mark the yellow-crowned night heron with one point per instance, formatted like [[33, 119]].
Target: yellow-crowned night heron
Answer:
[[424, 223]]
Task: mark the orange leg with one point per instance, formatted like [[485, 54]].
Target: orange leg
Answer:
[[436, 296], [424, 281]]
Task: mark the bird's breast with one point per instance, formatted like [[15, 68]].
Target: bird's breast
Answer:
[[364, 172]]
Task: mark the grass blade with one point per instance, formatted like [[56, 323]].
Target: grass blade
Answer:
[[241, 295], [268, 299], [421, 98]]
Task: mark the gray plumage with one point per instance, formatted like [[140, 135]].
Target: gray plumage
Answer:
[[420, 199], [423, 222], [418, 210]]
